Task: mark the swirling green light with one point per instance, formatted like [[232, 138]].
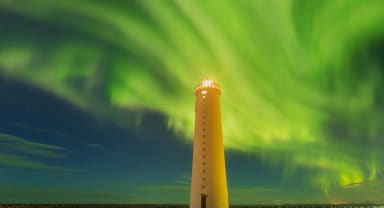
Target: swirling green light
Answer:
[[300, 82]]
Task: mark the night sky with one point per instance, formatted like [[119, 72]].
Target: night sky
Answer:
[[97, 99]]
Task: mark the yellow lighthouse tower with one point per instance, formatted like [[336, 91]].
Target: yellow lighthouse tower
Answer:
[[209, 180]]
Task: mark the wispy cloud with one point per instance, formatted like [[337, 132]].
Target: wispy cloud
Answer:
[[36, 129], [22, 153], [24, 146], [25, 162]]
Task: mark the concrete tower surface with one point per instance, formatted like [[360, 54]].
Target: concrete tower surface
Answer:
[[209, 180]]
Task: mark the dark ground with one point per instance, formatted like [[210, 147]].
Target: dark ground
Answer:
[[184, 206]]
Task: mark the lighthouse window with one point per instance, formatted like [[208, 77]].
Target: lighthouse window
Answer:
[[203, 149]]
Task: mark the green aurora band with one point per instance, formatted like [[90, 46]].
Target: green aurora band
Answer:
[[302, 84]]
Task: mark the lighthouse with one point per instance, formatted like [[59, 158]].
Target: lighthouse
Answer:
[[209, 180]]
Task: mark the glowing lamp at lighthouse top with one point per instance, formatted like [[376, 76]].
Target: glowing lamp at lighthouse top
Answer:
[[207, 85]]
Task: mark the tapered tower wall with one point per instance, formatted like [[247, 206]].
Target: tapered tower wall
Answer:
[[209, 181]]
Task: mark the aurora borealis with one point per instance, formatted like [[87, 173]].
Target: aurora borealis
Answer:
[[302, 98]]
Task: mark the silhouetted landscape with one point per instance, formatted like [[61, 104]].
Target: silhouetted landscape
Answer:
[[186, 206]]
